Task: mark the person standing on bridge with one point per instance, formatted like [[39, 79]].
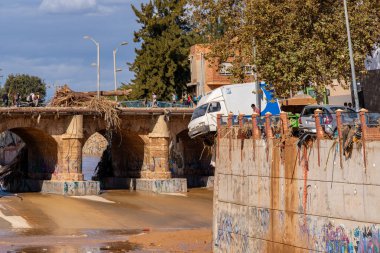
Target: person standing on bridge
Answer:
[[35, 99], [5, 99], [154, 100], [17, 99], [174, 99]]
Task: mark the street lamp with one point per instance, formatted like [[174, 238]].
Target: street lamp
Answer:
[[353, 76], [1, 76], [98, 62], [115, 70]]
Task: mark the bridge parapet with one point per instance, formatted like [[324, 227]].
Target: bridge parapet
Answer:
[[152, 144]]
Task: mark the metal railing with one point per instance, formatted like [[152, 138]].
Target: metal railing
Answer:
[[159, 104]]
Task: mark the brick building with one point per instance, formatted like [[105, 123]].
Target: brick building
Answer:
[[207, 75]]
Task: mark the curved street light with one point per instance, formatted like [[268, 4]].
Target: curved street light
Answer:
[[98, 62], [115, 70]]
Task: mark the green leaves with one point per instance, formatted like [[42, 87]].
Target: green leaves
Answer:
[[161, 65], [25, 84], [297, 42]]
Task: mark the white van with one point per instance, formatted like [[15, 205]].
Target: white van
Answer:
[[236, 99]]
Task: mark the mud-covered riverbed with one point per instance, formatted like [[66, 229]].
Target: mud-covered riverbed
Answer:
[[115, 221]]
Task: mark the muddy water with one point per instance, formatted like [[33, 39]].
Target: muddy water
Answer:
[[65, 224]]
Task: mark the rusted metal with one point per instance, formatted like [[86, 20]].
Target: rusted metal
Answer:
[[255, 134], [268, 128], [229, 126], [255, 128], [318, 127], [218, 129], [284, 124], [363, 122], [340, 135], [305, 165], [240, 132], [319, 132]]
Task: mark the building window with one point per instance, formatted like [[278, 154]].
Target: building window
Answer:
[[248, 70], [225, 69]]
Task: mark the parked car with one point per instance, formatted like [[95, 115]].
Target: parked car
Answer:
[[328, 118]]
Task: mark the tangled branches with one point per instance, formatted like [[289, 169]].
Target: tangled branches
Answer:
[[65, 97]]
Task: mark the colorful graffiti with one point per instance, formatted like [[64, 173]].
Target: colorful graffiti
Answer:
[[359, 240]]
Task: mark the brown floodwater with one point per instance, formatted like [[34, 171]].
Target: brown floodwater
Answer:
[[65, 224]]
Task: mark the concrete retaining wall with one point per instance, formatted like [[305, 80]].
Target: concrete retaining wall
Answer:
[[272, 197]]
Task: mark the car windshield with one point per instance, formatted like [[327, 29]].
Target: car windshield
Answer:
[[200, 111], [307, 111], [333, 109]]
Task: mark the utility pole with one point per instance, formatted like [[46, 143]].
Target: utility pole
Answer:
[[258, 89], [353, 75]]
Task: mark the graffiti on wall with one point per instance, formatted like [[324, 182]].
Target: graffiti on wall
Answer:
[[232, 232], [337, 239]]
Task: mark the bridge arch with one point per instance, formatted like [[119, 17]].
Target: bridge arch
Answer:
[[190, 158], [124, 155], [41, 152]]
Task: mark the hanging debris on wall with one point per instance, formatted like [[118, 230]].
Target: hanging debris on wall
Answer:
[[11, 175]]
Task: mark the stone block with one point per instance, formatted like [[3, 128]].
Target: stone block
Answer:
[[173, 185], [71, 188]]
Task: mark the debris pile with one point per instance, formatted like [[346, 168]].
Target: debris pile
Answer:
[[65, 97]]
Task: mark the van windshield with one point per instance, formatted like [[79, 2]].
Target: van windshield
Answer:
[[199, 112]]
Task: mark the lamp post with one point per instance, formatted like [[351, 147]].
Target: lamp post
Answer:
[[98, 62], [115, 70], [1, 76], [353, 76]]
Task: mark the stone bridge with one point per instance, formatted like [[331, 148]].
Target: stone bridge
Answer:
[[151, 147]]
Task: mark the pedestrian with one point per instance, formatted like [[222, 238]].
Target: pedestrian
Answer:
[[154, 100], [189, 100], [195, 100], [18, 99], [174, 98], [255, 109], [31, 99], [349, 105], [36, 99], [5, 99], [345, 104]]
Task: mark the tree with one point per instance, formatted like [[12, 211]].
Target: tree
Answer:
[[161, 65], [297, 43], [25, 84]]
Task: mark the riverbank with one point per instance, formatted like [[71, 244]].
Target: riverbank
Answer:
[[115, 221]]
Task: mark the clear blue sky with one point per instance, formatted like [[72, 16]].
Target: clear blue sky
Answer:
[[45, 38]]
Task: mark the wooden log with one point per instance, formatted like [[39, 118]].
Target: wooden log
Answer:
[[105, 93]]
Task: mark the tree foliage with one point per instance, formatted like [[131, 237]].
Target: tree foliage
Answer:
[[296, 42], [25, 84], [161, 65]]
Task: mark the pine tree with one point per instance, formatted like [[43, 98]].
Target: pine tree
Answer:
[[161, 65]]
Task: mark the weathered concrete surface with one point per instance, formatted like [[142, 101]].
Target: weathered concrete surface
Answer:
[[173, 185], [274, 198], [71, 188]]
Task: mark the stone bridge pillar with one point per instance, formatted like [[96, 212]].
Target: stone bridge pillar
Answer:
[[70, 152], [156, 159], [156, 176]]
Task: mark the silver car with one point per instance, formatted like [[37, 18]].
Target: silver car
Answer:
[[328, 118]]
